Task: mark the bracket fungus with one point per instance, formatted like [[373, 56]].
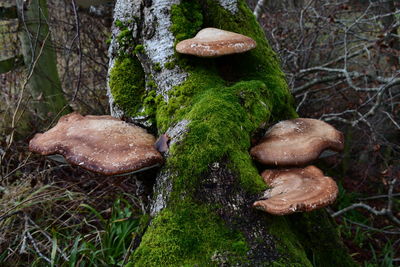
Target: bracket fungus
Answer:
[[212, 42], [295, 190], [101, 144], [297, 142]]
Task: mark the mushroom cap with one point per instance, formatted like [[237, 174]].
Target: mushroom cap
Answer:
[[212, 42], [101, 144], [295, 190], [297, 142]]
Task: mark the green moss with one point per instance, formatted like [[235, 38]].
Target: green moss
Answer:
[[189, 234], [143, 223], [221, 123], [151, 84], [157, 67], [320, 238], [127, 84], [139, 49], [119, 24], [169, 65], [260, 63], [188, 19], [150, 102], [125, 41], [290, 247]]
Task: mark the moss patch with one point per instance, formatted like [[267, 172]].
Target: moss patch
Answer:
[[288, 243], [260, 63], [127, 84], [221, 120], [127, 79], [188, 235], [169, 65], [320, 238], [187, 20], [223, 114]]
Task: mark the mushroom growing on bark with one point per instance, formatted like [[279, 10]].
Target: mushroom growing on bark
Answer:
[[295, 190], [101, 144], [212, 42], [297, 142]]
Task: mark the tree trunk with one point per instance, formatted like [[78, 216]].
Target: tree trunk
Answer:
[[40, 60], [9, 46], [211, 109]]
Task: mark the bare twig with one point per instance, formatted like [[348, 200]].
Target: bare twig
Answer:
[[258, 8], [78, 38], [378, 196], [33, 242], [383, 212], [372, 228]]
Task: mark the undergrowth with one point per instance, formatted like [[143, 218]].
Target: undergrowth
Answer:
[[59, 216]]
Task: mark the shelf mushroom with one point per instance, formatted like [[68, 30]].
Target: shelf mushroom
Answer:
[[297, 142], [101, 144], [296, 190], [212, 42]]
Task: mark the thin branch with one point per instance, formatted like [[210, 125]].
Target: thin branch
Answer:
[[258, 8], [378, 196], [28, 234], [391, 118], [316, 81], [383, 212], [78, 38], [372, 228]]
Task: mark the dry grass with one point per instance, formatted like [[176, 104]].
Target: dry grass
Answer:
[[44, 201]]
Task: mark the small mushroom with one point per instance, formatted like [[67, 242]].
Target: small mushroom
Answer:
[[212, 42], [296, 190], [101, 144], [297, 142]]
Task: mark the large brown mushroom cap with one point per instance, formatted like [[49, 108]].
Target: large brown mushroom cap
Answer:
[[295, 190], [212, 42], [101, 144], [297, 142]]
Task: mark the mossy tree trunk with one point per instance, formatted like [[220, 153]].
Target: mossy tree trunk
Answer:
[[211, 109], [40, 60]]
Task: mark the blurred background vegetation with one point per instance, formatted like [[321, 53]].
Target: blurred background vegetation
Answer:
[[341, 59]]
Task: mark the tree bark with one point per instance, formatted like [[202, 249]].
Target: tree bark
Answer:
[[9, 46], [211, 109], [40, 60]]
